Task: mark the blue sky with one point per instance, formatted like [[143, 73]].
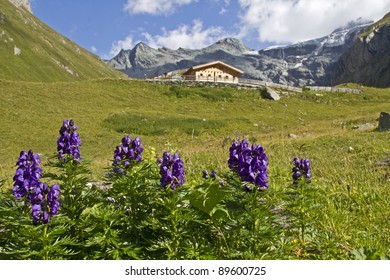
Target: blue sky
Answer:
[[106, 26]]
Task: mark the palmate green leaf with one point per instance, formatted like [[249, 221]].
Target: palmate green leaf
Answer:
[[219, 212], [207, 198], [93, 211]]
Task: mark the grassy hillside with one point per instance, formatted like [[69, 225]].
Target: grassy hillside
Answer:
[[201, 123], [32, 51], [198, 122]]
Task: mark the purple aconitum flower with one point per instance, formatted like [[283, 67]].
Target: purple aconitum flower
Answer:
[[171, 170], [235, 152], [68, 143], [300, 170], [212, 175], [130, 150], [250, 163], [52, 199], [44, 203], [27, 174]]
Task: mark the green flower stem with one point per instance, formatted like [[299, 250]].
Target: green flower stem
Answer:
[[173, 249], [220, 233], [45, 245]]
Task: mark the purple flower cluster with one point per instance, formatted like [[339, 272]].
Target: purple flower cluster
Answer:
[[69, 141], [44, 203], [250, 163], [301, 168], [27, 184], [213, 174], [129, 150], [171, 170], [27, 174]]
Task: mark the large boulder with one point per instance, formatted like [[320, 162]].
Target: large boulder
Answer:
[[384, 121], [269, 93]]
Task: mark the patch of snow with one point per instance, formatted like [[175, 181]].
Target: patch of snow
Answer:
[[274, 47], [250, 53], [297, 65]]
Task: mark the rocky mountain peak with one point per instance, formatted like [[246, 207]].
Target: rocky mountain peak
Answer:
[[310, 62], [231, 45], [22, 3]]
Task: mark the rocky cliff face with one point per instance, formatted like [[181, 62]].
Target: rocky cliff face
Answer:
[[368, 61], [22, 3], [304, 63], [309, 62]]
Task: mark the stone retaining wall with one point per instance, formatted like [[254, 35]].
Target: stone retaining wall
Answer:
[[248, 84]]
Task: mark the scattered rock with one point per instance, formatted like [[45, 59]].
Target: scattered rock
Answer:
[[384, 161], [384, 121], [269, 93], [363, 127], [22, 3], [100, 185], [17, 51], [292, 136]]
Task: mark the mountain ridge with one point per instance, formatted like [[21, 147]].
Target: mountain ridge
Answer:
[[303, 63]]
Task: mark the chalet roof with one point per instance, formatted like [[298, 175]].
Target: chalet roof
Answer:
[[214, 63]]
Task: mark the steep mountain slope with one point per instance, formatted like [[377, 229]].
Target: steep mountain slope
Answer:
[[298, 64], [368, 61], [32, 51]]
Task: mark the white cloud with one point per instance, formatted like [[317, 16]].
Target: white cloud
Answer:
[[223, 11], [286, 21], [94, 49], [186, 36], [116, 46], [154, 7]]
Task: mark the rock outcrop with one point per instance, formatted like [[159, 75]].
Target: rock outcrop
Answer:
[[269, 93], [384, 122], [22, 3]]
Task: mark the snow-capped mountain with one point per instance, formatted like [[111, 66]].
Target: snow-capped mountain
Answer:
[[368, 61], [309, 62], [299, 64]]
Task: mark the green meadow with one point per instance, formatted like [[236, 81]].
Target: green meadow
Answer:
[[201, 123]]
